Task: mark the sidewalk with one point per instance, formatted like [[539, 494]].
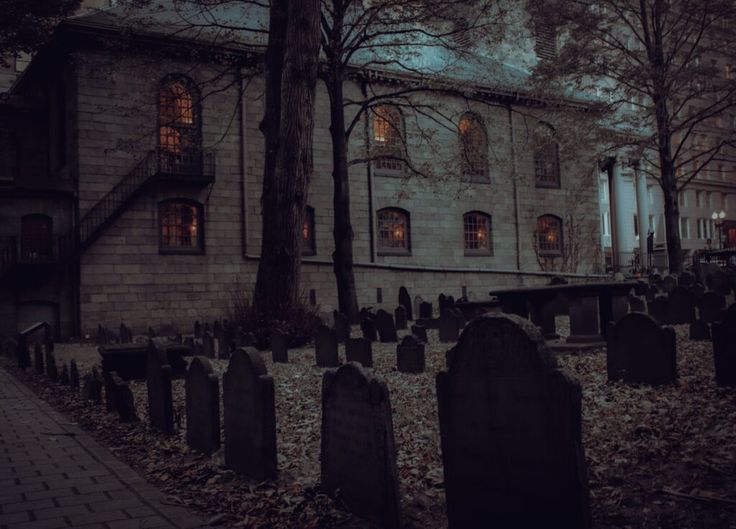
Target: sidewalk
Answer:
[[54, 475]]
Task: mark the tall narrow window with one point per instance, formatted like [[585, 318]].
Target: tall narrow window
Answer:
[[393, 231], [546, 157], [179, 126], [549, 235], [388, 140], [477, 233], [36, 238], [308, 241], [545, 40], [181, 226], [473, 148]]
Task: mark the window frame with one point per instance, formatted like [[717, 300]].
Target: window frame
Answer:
[[465, 165], [182, 250], [478, 252], [378, 149], [542, 153], [193, 131], [309, 245], [386, 250], [557, 252]]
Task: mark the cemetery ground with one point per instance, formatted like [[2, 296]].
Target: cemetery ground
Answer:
[[658, 457]]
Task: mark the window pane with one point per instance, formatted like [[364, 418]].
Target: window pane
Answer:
[[473, 147], [476, 231], [392, 230], [180, 226], [549, 235], [388, 138]]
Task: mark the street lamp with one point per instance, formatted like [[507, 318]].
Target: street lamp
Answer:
[[718, 221]]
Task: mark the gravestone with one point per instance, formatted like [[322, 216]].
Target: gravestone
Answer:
[[151, 333], [64, 376], [250, 416], [342, 326], [208, 344], [197, 347], [410, 355], [197, 329], [325, 347], [175, 356], [202, 389], [711, 306], [73, 374], [417, 303], [639, 350], [405, 301], [126, 335], [366, 313], [127, 360], [651, 293], [657, 308], [124, 402], [425, 310], [719, 281], [698, 289], [368, 327], [400, 317], [699, 330], [420, 331], [158, 384], [244, 339], [636, 304], [510, 431], [385, 327], [680, 306], [669, 283], [38, 358], [448, 327], [358, 453], [279, 348], [442, 303], [724, 347], [52, 371], [93, 384], [359, 350], [686, 279]]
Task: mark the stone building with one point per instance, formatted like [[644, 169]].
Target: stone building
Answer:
[[131, 178]]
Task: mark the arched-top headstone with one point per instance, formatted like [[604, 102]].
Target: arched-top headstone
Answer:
[[510, 430], [405, 301], [400, 317], [202, 389], [368, 327], [250, 416], [325, 347], [385, 327], [410, 355]]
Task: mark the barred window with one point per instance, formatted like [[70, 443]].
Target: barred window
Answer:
[[181, 223], [473, 148], [549, 235], [545, 40], [388, 140], [178, 116], [308, 241], [477, 233], [393, 231], [546, 157]]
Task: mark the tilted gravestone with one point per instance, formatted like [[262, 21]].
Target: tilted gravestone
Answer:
[[325, 347], [420, 331], [279, 348], [639, 350], [368, 327], [510, 431], [724, 347], [208, 344], [250, 416], [342, 326], [699, 330], [73, 374], [680, 306], [158, 384], [202, 389], [448, 327], [385, 327], [711, 305], [657, 308], [359, 350], [405, 301], [400, 317], [425, 310], [410, 355], [358, 453], [38, 358], [64, 376]]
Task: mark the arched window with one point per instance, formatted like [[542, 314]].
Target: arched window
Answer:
[[179, 125], [393, 231], [477, 233], [181, 226], [473, 148], [388, 140], [309, 246], [549, 235], [546, 157], [36, 238]]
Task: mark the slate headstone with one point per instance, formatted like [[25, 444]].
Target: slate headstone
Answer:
[[158, 384], [208, 344], [410, 355], [250, 416], [400, 317], [368, 327], [202, 389], [420, 331], [73, 374], [325, 347], [448, 327], [126, 335], [93, 384], [358, 453], [680, 306], [385, 327], [418, 300], [279, 348], [510, 431], [405, 301], [425, 310], [359, 350], [724, 347], [711, 306]]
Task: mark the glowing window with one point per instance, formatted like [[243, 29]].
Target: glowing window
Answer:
[[388, 139], [473, 148], [393, 231], [549, 235], [178, 117], [546, 157], [477, 233], [181, 226]]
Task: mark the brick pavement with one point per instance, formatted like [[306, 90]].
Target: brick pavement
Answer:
[[54, 475]]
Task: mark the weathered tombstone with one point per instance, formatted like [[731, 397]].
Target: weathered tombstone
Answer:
[[359, 350], [425, 310], [325, 347], [202, 390], [680, 306], [64, 376], [442, 303], [208, 344], [410, 355], [510, 431], [724, 347], [385, 327], [38, 358], [366, 313], [400, 317], [420, 331], [657, 308], [639, 350], [124, 402], [342, 326], [158, 384], [279, 348], [699, 330], [711, 306], [405, 301], [197, 329], [358, 453], [368, 327], [448, 329], [73, 374], [417, 303], [250, 416]]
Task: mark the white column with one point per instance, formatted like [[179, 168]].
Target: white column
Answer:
[[642, 210], [618, 192]]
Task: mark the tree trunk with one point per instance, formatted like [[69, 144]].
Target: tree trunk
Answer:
[[291, 73], [343, 230]]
